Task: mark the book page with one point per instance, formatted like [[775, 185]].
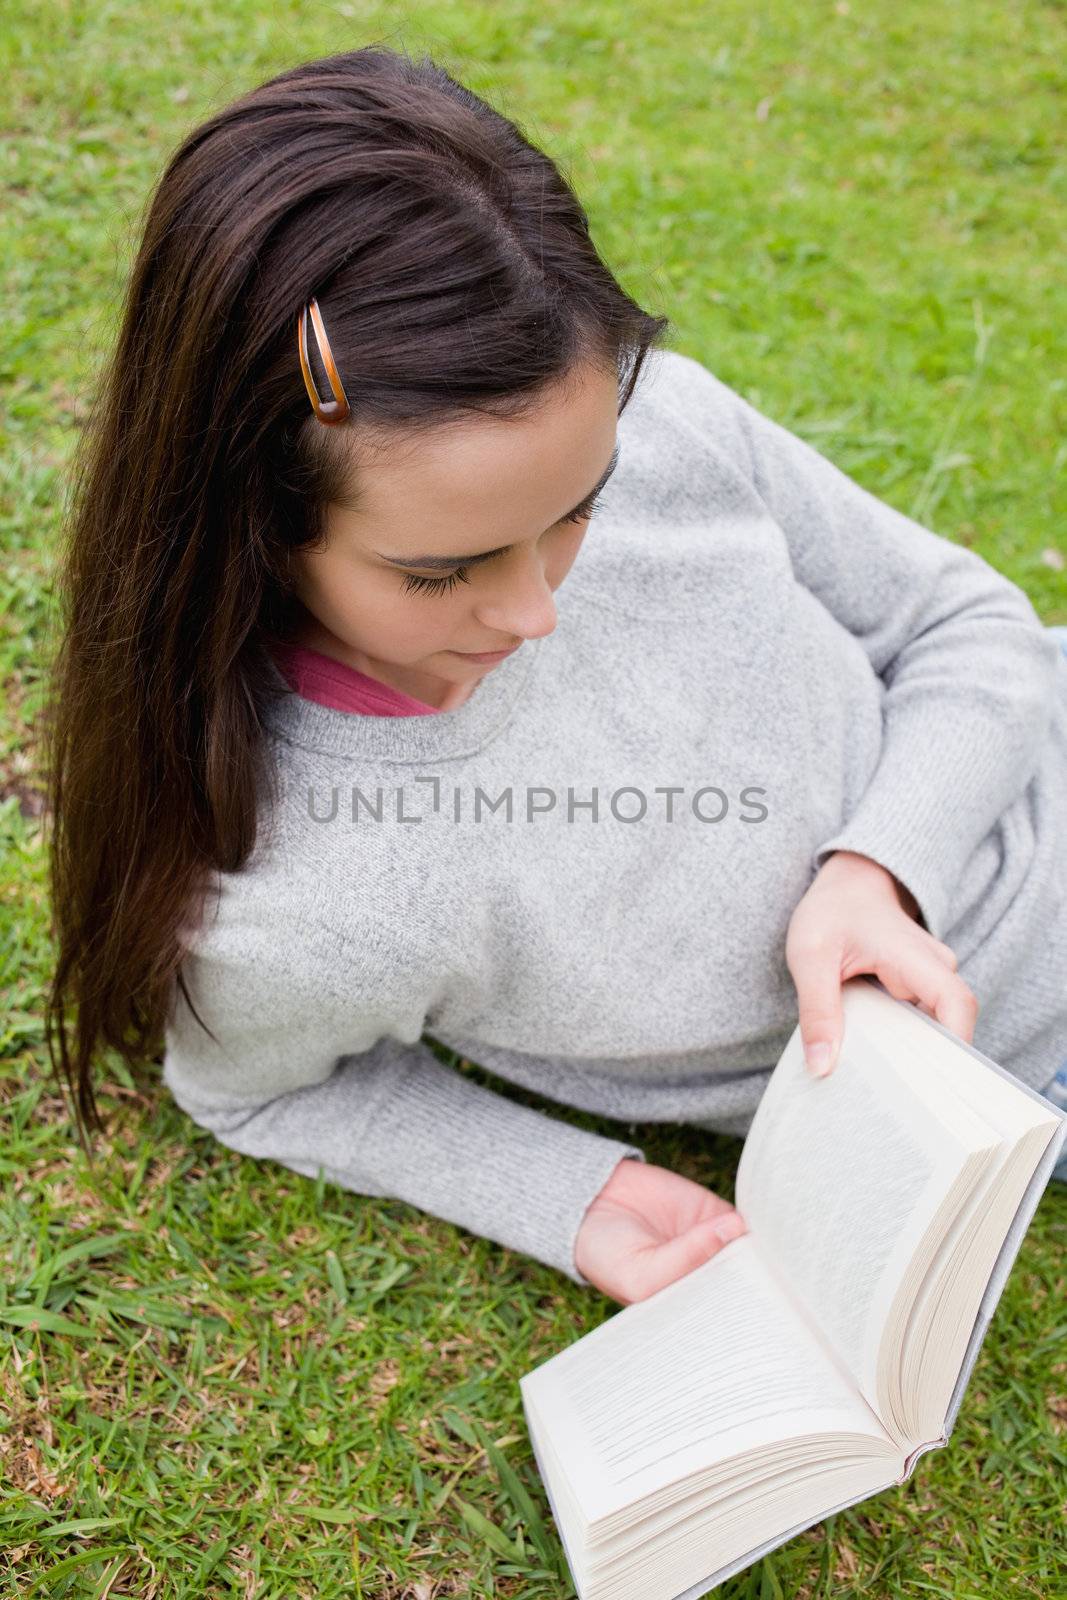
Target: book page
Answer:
[[934, 1334], [844, 1179], [716, 1364]]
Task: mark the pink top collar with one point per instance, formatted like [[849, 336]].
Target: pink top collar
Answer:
[[317, 677]]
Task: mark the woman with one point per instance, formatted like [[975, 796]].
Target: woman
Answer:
[[370, 743]]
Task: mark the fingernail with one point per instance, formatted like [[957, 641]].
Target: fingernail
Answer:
[[731, 1227], [818, 1058]]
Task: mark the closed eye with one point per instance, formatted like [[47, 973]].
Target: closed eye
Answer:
[[415, 583], [582, 512]]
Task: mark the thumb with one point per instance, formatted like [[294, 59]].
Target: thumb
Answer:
[[697, 1245], [819, 993]]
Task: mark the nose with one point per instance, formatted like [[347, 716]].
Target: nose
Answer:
[[522, 604]]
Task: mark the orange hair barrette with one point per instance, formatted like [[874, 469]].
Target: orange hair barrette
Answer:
[[328, 411]]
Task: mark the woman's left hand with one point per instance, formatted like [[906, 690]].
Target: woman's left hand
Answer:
[[854, 918]]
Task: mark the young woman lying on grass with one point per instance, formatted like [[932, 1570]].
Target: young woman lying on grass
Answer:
[[375, 746]]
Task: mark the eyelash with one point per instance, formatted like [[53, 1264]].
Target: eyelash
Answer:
[[415, 583]]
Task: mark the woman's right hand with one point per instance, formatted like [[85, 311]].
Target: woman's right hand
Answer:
[[649, 1226]]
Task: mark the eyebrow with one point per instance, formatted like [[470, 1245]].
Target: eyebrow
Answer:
[[439, 562]]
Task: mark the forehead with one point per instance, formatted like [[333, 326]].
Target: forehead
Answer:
[[478, 468]]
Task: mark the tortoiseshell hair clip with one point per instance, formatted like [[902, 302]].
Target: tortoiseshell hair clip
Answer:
[[327, 411]]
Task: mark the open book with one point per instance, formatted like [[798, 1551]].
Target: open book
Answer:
[[809, 1363]]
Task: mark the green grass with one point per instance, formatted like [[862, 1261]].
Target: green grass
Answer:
[[241, 1383]]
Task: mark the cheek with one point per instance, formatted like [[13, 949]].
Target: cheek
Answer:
[[563, 552], [369, 608]]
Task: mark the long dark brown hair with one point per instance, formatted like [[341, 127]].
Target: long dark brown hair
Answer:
[[456, 275]]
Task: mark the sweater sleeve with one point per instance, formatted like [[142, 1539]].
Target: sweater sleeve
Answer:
[[968, 670], [318, 1062]]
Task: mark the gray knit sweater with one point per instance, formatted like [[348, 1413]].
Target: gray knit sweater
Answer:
[[581, 878]]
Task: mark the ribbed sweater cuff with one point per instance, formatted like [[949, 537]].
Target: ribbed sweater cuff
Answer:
[[506, 1171], [942, 780]]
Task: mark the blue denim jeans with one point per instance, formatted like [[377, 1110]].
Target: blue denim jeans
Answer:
[[1056, 1089]]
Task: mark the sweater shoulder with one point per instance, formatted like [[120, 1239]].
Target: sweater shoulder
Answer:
[[275, 988], [682, 390], [682, 529], [280, 927]]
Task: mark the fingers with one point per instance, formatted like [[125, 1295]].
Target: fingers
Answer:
[[924, 974], [674, 1258], [936, 990], [949, 1000], [944, 953], [821, 1023]]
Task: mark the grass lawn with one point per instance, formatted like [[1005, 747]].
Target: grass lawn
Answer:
[[218, 1378]]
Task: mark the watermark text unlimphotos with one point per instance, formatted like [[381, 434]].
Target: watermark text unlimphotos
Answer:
[[626, 802]]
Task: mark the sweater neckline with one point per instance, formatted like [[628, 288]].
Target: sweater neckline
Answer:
[[319, 677], [458, 732]]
